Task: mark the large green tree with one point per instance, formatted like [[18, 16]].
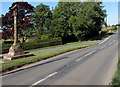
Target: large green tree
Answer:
[[61, 26], [41, 19], [90, 20], [77, 20]]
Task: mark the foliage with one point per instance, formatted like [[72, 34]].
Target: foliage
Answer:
[[41, 43], [72, 21], [45, 37], [77, 20], [24, 13], [60, 26], [117, 25], [35, 44], [78, 42], [41, 19], [90, 20]]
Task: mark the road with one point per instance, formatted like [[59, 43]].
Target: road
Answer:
[[89, 66]]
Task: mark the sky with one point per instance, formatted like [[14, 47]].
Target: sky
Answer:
[[119, 12], [112, 12], [111, 7]]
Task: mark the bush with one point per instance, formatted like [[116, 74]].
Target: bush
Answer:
[[35, 44], [44, 37], [5, 48], [8, 42]]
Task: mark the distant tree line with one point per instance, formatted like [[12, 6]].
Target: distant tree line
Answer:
[[117, 25], [72, 21]]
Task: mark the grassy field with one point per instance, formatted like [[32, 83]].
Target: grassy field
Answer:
[[116, 79], [38, 57]]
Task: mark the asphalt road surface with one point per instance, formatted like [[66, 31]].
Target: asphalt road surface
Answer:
[[89, 66]]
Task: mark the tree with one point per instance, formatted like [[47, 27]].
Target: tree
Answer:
[[25, 11], [7, 29], [41, 19], [77, 20], [90, 19], [61, 26], [117, 25]]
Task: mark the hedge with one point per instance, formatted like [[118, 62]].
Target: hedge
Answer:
[[35, 44]]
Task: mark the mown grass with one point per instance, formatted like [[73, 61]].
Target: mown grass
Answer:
[[116, 78], [38, 57]]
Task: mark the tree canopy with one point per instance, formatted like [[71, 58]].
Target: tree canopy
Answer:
[[77, 20], [41, 19], [25, 11], [72, 21]]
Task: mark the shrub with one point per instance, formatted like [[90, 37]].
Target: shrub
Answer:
[[5, 48], [44, 37], [35, 44], [8, 42]]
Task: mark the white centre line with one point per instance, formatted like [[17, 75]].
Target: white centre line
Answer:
[[44, 79], [102, 47], [80, 59], [112, 42], [86, 55], [89, 53], [104, 40]]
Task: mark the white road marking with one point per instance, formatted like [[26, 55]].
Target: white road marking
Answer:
[[103, 47], [86, 55], [44, 79], [79, 59], [104, 40], [109, 44], [89, 53], [112, 42]]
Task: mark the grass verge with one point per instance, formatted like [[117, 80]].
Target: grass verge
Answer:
[[116, 78], [38, 57]]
